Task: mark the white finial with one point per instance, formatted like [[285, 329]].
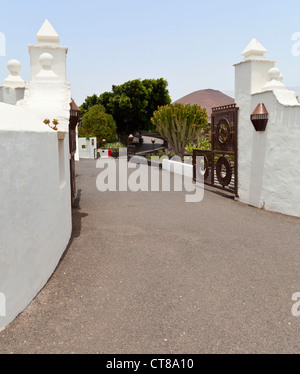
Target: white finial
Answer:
[[46, 60], [275, 79], [254, 51], [14, 80], [47, 35]]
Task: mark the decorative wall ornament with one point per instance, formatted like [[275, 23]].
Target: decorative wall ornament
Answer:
[[46, 60], [260, 117], [14, 80], [275, 80]]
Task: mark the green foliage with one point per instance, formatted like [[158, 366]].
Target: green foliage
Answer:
[[190, 148], [160, 153], [203, 143], [132, 104], [180, 125], [90, 101], [97, 123], [115, 145]]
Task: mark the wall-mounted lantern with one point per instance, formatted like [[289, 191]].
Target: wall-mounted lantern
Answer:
[[260, 117]]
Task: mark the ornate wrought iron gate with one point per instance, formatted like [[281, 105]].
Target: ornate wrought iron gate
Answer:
[[220, 167]]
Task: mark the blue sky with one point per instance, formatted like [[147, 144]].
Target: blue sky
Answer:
[[191, 43]]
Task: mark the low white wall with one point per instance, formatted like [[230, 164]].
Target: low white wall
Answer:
[[35, 215], [86, 147], [77, 157], [178, 168]]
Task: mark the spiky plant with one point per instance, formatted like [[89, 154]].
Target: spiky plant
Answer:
[[180, 125]]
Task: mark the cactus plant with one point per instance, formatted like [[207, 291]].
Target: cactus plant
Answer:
[[180, 125]]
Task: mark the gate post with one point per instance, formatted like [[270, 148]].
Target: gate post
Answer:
[[74, 118], [251, 75]]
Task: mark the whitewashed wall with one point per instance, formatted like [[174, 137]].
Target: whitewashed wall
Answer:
[[48, 100], [269, 162], [35, 215]]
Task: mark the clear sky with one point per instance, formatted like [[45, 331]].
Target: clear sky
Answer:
[[191, 43]]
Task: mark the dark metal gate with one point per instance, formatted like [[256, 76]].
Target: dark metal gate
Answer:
[[74, 118], [220, 166]]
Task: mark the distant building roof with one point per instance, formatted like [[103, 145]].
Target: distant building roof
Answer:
[[207, 99]]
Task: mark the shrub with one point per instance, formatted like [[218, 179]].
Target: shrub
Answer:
[[203, 144], [115, 145], [180, 125], [97, 123]]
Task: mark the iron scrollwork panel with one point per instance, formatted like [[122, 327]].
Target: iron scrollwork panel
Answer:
[[202, 162], [220, 164], [224, 171]]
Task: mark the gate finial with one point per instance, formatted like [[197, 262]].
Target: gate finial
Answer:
[[254, 51], [47, 35], [275, 80], [14, 80]]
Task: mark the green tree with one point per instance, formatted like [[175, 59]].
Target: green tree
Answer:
[[132, 104], [158, 96], [89, 102], [181, 125], [97, 123]]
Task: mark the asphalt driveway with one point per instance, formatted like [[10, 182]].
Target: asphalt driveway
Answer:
[[149, 273]]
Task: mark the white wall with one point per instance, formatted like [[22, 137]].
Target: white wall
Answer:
[[269, 162], [11, 95], [35, 192], [35, 215], [77, 157], [48, 100], [86, 148]]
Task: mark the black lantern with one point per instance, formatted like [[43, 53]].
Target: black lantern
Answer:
[[74, 118], [260, 117]]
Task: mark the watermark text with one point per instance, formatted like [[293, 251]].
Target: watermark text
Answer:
[[2, 45], [134, 175], [2, 305], [296, 45]]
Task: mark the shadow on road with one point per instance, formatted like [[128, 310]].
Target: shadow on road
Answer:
[[77, 217]]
